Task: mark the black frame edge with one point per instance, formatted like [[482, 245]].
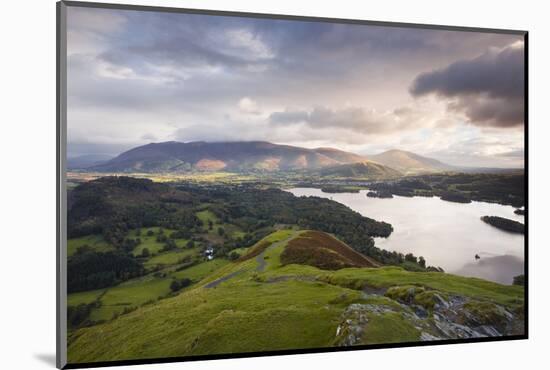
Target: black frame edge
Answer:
[[288, 352], [526, 179]]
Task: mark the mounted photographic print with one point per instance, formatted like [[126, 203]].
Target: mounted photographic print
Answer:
[[236, 185]]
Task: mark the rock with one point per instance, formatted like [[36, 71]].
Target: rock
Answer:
[[439, 301], [452, 317], [490, 331], [428, 337], [420, 312]]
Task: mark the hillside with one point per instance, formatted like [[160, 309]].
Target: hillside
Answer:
[[300, 306], [360, 170], [409, 163], [340, 155], [323, 251], [227, 156]]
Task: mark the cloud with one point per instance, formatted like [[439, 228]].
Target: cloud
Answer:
[[488, 89], [486, 150], [289, 117], [149, 137], [136, 77], [513, 154], [357, 119], [248, 106]]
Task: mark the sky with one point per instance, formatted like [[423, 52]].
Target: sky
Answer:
[[138, 77]]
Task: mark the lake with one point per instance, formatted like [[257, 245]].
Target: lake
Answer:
[[446, 234]]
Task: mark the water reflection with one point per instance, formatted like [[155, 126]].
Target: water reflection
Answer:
[[446, 234], [498, 268]]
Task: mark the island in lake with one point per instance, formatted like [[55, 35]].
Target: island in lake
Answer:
[[505, 224]]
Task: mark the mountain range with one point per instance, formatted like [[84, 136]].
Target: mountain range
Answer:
[[244, 156], [237, 156]]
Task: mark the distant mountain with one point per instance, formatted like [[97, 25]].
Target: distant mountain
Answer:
[[229, 156], [340, 155], [85, 161], [410, 163], [364, 169]]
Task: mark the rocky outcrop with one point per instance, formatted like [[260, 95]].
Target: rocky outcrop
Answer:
[[433, 315]]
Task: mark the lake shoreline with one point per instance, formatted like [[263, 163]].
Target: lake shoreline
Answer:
[[446, 234]]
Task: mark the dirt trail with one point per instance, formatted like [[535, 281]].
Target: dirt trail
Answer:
[[259, 258], [217, 282]]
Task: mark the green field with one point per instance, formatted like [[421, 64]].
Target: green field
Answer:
[[130, 294], [135, 292], [75, 299], [150, 242], [206, 216], [171, 257], [201, 270], [95, 242]]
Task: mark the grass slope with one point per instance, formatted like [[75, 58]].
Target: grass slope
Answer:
[[280, 307]]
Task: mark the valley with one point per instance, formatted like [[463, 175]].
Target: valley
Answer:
[[203, 255]]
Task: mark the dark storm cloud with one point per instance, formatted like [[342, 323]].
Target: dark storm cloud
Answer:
[[488, 89]]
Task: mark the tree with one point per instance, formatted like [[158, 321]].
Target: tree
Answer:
[[221, 231], [185, 282], [145, 253], [233, 256], [190, 244], [150, 233], [519, 280], [210, 225], [169, 245], [175, 286], [410, 257], [422, 262]]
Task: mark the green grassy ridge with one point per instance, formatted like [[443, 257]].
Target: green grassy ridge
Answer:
[[389, 276], [185, 324], [250, 264], [253, 311], [385, 277]]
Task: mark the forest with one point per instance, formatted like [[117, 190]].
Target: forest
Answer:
[[116, 208]]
